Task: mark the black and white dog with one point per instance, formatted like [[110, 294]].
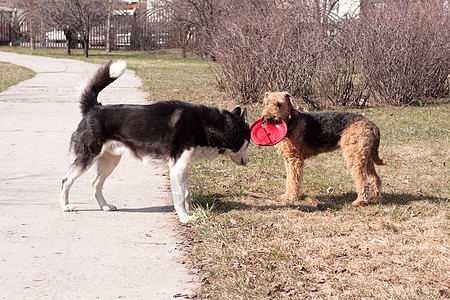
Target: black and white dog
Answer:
[[174, 132]]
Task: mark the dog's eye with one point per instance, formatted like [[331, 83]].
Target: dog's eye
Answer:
[[278, 104]]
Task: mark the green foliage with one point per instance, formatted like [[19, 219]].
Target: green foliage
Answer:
[[11, 75]]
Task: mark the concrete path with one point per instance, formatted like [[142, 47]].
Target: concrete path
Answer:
[[133, 253]]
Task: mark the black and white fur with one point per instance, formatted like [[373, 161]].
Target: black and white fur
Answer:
[[175, 132]]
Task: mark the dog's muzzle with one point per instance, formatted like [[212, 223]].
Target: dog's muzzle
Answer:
[[269, 119]]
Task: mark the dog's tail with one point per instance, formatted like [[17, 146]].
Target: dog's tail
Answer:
[[374, 153], [105, 75]]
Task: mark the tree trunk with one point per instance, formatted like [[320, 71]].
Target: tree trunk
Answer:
[[108, 29], [86, 39], [86, 47], [69, 37], [68, 47], [32, 39]]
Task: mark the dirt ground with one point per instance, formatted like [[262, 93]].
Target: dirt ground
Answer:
[[136, 252]]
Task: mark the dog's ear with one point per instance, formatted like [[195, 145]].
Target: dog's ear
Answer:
[[244, 116], [288, 97], [236, 111]]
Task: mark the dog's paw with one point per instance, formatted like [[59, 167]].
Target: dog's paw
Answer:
[[358, 203], [288, 198], [186, 219], [109, 207], [68, 207]]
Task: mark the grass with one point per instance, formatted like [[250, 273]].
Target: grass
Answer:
[[253, 246], [164, 74], [11, 74], [249, 245]]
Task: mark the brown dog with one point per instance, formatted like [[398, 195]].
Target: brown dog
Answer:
[[311, 134]]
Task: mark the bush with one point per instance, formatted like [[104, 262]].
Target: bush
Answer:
[[264, 48], [403, 51], [393, 53]]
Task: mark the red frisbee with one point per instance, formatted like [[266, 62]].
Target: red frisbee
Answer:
[[267, 134]]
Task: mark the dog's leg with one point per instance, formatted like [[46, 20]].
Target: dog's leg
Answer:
[[178, 184], [294, 173], [356, 147], [105, 165], [187, 191], [357, 161], [75, 171], [374, 179], [363, 186]]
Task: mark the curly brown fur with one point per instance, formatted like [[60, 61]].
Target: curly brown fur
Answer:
[[311, 134]]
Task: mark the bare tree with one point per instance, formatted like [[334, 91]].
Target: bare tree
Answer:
[[180, 15], [323, 9], [72, 16], [192, 20]]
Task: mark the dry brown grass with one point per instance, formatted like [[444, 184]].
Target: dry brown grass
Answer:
[[280, 251], [251, 246]]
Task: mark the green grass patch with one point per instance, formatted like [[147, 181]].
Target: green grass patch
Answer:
[[164, 75], [250, 245], [11, 75]]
